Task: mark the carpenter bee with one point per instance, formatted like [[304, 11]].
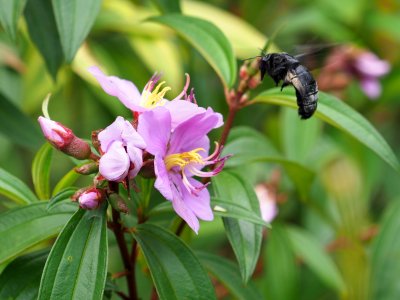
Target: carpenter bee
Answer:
[[285, 67]]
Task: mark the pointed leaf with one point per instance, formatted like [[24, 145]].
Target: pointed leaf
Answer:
[[77, 264], [314, 255], [24, 227], [228, 274], [340, 115], [41, 171], [74, 20], [176, 271], [229, 209], [208, 40], [14, 189], [43, 32], [21, 278], [16, 126], [64, 195], [248, 145], [9, 14], [244, 237], [385, 252], [68, 180]]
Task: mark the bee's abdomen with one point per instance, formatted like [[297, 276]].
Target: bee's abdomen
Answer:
[[306, 92]]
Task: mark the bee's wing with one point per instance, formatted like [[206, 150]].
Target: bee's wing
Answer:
[[313, 56]]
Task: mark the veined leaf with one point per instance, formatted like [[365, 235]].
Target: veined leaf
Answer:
[[248, 145], [176, 271], [313, 254], [340, 115], [208, 40], [24, 227], [77, 264], [74, 20], [16, 126], [43, 32], [21, 278], [9, 14], [228, 274], [41, 171], [14, 189], [244, 237]]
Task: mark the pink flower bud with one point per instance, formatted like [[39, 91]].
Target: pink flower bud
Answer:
[[91, 198], [57, 134], [243, 72], [64, 139]]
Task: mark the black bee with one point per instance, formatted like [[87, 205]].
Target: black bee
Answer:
[[285, 67]]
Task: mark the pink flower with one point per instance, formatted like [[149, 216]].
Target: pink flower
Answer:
[[267, 201], [368, 68], [64, 139], [90, 199], [182, 107], [180, 154], [122, 151]]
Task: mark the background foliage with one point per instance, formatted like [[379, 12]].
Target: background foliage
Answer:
[[336, 232]]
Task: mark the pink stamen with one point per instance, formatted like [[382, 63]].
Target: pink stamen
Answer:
[[185, 88]]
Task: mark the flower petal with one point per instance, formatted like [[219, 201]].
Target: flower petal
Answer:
[[371, 87], [115, 163], [188, 133], [123, 89], [368, 64], [155, 128], [199, 204], [136, 157], [163, 183]]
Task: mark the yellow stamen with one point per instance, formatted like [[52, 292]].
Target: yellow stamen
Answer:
[[181, 160], [154, 98]]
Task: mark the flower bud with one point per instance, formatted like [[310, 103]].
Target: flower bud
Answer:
[[64, 139], [243, 72], [91, 198], [87, 169]]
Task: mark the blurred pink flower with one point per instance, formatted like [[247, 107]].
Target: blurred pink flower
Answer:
[[267, 200], [121, 148], [368, 68], [179, 155]]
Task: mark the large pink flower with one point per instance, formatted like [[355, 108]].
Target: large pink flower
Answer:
[[179, 155], [182, 107], [121, 148]]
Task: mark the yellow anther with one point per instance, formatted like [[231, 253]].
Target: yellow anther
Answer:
[[181, 160], [154, 98]]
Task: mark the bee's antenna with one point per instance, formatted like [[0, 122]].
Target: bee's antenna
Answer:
[[272, 38], [251, 57]]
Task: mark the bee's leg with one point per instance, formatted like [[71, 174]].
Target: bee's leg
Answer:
[[285, 83]]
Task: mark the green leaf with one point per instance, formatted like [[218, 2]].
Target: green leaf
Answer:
[[65, 182], [14, 189], [228, 209], [248, 145], [340, 115], [21, 278], [41, 171], [62, 196], [17, 127], [314, 255], [74, 20], [9, 14], [208, 40], [176, 271], [244, 237], [43, 32], [282, 276], [228, 274], [385, 253], [24, 227], [77, 264], [168, 6]]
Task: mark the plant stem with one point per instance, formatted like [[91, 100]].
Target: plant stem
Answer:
[[228, 125], [119, 235]]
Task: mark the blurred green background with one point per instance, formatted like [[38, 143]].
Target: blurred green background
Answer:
[[353, 208]]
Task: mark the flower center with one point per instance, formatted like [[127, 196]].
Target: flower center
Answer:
[[154, 98], [181, 160]]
